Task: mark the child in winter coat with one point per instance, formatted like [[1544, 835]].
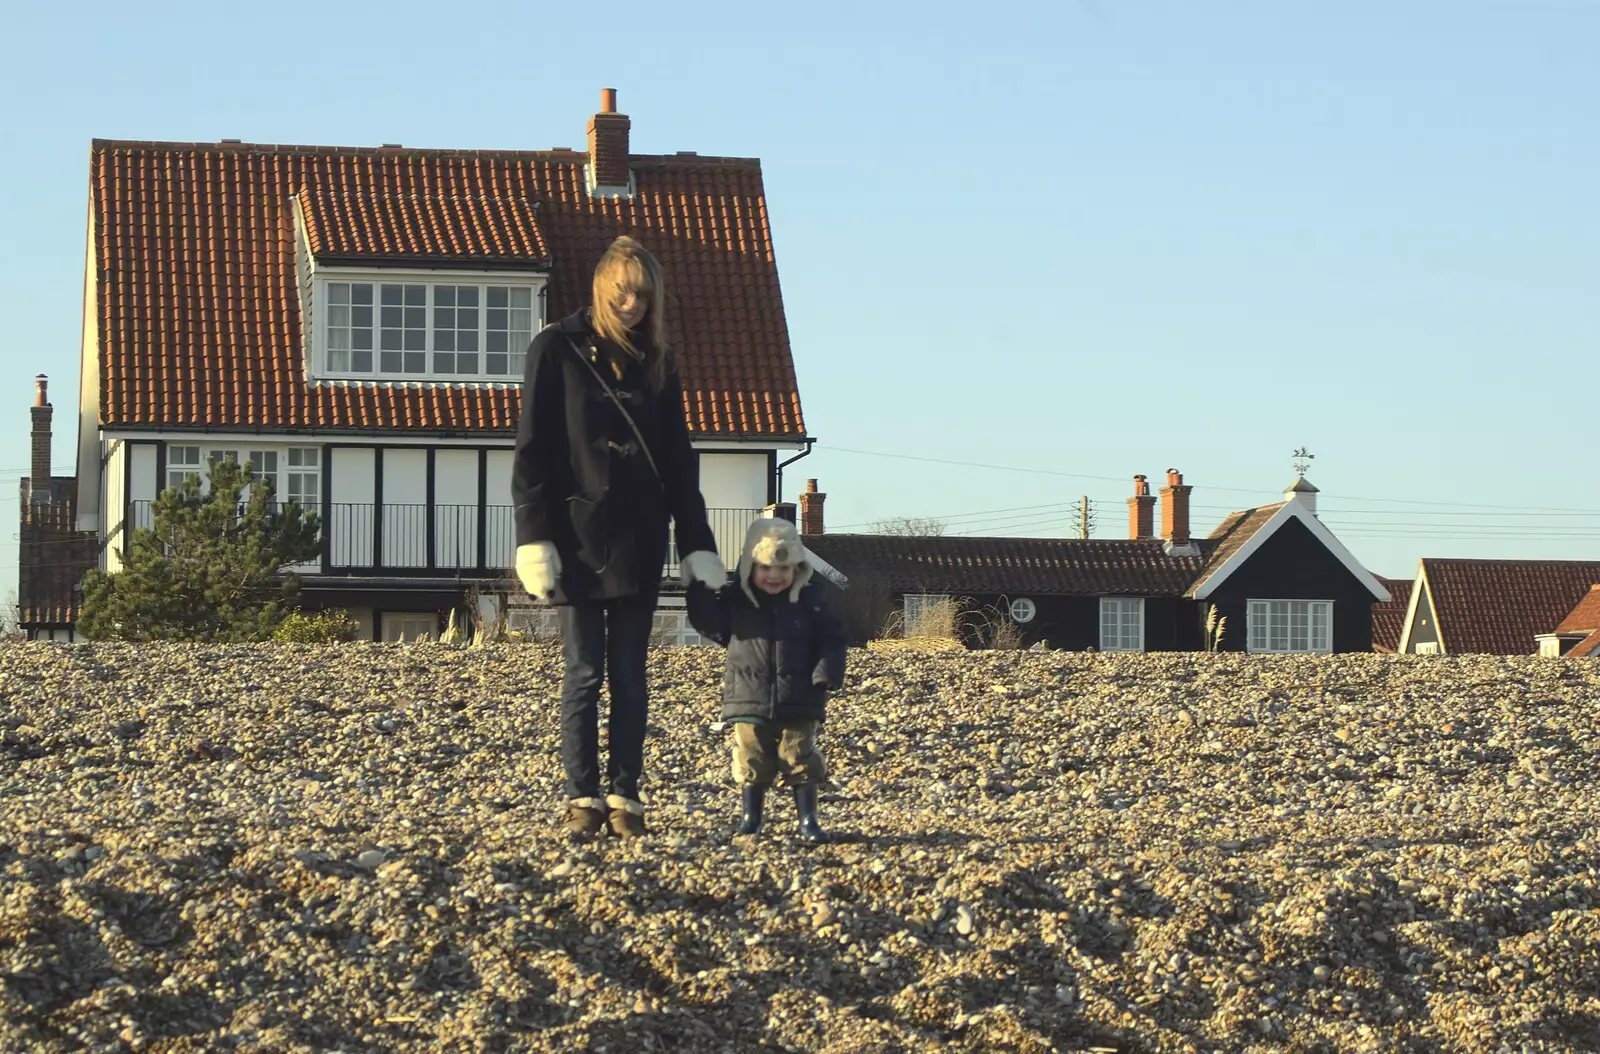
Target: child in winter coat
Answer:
[[786, 652]]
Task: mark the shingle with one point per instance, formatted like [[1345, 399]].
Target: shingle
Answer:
[[200, 313]]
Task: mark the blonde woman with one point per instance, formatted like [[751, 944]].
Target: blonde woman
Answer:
[[603, 460]]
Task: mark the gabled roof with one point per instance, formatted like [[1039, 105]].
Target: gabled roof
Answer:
[[1011, 566], [198, 309], [1238, 537], [1585, 618], [1499, 607], [1389, 617]]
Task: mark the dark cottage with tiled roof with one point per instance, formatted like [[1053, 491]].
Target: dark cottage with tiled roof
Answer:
[[1496, 607], [353, 321], [1275, 576], [1389, 617]]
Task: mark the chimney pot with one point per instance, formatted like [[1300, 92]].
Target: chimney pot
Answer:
[[608, 100], [41, 390]]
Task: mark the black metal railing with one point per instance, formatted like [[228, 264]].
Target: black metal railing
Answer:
[[415, 538]]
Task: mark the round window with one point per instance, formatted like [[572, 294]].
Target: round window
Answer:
[[1023, 610]]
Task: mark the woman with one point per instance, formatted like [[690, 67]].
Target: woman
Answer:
[[602, 460]]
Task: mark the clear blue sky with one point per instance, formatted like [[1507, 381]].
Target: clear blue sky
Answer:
[[1084, 239]]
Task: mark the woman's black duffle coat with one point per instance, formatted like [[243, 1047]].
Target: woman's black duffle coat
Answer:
[[579, 479]]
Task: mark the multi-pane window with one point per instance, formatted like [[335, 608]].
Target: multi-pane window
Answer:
[[927, 615], [183, 461], [303, 477], [264, 466], [1288, 626], [455, 329], [468, 331], [509, 325], [403, 328], [349, 327], [1122, 624]]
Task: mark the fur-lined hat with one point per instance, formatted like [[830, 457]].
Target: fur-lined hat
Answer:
[[774, 543]]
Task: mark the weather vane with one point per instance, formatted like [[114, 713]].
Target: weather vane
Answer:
[[1302, 461]]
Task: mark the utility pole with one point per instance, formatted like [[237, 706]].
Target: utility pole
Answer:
[[1085, 517]]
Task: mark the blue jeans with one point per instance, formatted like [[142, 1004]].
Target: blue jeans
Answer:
[[605, 640]]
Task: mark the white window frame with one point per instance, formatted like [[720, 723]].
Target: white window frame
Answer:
[[670, 627], [1428, 647], [185, 466], [1023, 611], [1263, 636], [915, 602], [1118, 610], [305, 477], [400, 622], [429, 278]]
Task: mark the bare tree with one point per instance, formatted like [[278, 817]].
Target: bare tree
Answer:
[[910, 527], [11, 617]]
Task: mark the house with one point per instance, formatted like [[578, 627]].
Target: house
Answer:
[[1578, 635], [1276, 574], [53, 554], [352, 322], [1389, 617], [1496, 607]]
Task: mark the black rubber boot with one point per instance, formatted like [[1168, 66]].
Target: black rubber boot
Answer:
[[754, 797], [805, 803]]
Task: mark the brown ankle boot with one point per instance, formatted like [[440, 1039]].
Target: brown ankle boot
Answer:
[[586, 817], [626, 817]]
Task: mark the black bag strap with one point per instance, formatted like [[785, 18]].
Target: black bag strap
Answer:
[[626, 416]]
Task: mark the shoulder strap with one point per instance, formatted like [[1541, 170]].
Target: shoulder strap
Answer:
[[626, 416]]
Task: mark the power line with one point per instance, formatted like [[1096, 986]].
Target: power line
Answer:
[[1206, 486]]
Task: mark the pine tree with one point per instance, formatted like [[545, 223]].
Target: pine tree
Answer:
[[209, 569]]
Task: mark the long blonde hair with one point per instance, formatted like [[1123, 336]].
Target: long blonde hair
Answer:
[[628, 266]]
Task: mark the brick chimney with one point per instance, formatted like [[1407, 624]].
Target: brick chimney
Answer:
[[811, 508], [608, 174], [1141, 510], [39, 489], [1175, 509]]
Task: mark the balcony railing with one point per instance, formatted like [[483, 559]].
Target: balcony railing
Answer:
[[422, 540]]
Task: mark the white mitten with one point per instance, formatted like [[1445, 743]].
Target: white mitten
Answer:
[[704, 567], [538, 567]]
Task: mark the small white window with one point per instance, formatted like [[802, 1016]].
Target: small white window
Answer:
[[1428, 647], [927, 615], [1023, 610], [543, 623], [182, 462], [303, 478], [1122, 624], [672, 628], [400, 626], [1291, 626]]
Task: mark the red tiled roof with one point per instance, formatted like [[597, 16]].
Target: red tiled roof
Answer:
[[199, 311], [1585, 618], [368, 226], [1389, 618], [1012, 566], [1588, 646], [1498, 607]]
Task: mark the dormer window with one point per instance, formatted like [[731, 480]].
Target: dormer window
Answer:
[[394, 327]]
